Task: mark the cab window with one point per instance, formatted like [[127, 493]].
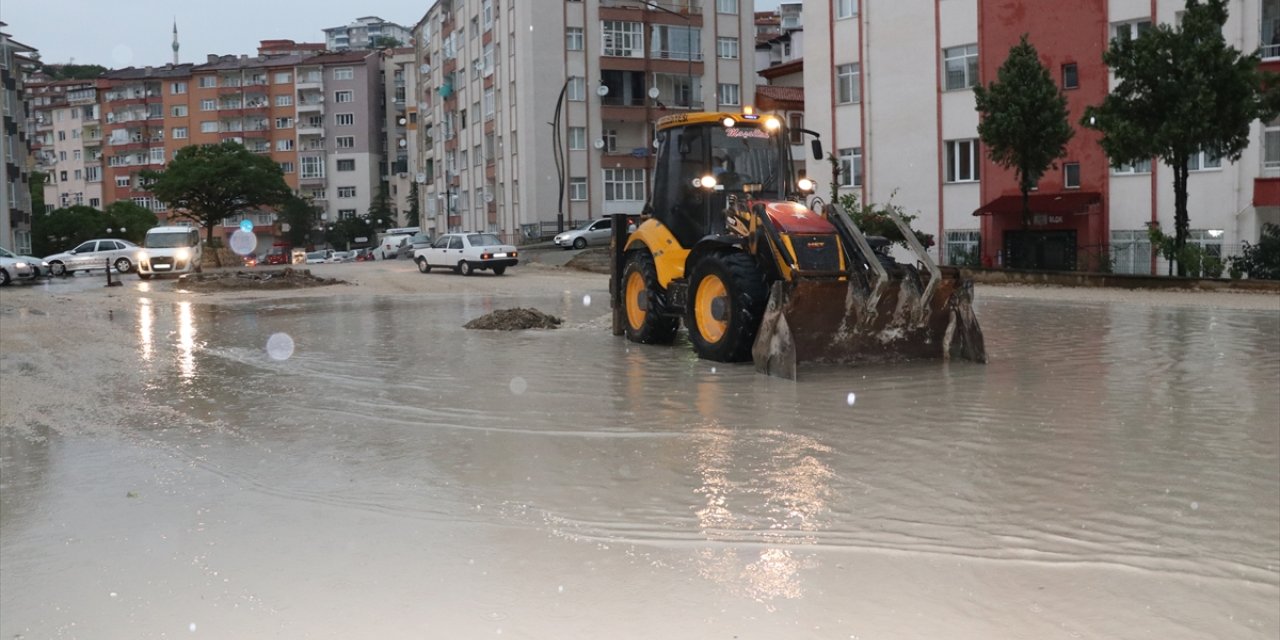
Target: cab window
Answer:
[[85, 247], [455, 242], [441, 243]]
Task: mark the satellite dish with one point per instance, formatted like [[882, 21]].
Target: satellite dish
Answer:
[[653, 92], [599, 143], [602, 90], [421, 178], [424, 69], [403, 142], [488, 197], [403, 122]]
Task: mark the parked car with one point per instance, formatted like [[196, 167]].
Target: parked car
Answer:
[[389, 248], [14, 268], [364, 255], [92, 255], [39, 266], [341, 256], [278, 254], [416, 241], [467, 252], [592, 232], [318, 257]]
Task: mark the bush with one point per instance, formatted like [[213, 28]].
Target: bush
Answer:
[[1260, 261], [874, 220]]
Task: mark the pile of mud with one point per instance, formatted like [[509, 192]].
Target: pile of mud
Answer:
[[594, 260], [286, 278], [514, 319]]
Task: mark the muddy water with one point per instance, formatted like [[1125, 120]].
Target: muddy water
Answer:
[[1112, 473]]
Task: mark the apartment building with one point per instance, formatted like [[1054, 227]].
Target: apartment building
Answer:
[[15, 197], [890, 87], [135, 104], [493, 73], [400, 123], [339, 131], [67, 144], [364, 33]]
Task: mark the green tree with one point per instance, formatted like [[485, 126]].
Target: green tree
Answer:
[[35, 184], [1024, 122], [208, 183], [134, 219], [301, 215], [415, 207], [74, 71], [873, 220], [385, 42], [65, 228], [380, 207], [1182, 90], [345, 231]]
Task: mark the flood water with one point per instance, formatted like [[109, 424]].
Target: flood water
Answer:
[[384, 473]]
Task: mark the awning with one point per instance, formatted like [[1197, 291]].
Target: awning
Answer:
[[1069, 203]]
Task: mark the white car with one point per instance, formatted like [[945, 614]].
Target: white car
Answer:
[[38, 266], [90, 255], [467, 252], [340, 256], [14, 269], [591, 232], [319, 257]]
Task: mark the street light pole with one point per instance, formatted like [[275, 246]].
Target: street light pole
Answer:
[[688, 41]]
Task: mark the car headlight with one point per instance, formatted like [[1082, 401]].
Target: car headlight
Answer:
[[182, 254], [20, 265], [143, 257]]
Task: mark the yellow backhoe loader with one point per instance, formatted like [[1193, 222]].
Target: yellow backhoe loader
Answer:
[[728, 245]]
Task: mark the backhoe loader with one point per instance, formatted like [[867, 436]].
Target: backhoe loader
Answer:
[[728, 245]]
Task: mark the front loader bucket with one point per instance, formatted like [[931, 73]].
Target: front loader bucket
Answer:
[[836, 321]]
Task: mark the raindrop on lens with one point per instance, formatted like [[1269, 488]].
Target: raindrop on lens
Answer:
[[280, 346], [518, 385], [246, 225], [243, 242], [853, 397], [586, 300], [192, 627]]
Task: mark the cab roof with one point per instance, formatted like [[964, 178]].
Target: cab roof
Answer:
[[754, 118]]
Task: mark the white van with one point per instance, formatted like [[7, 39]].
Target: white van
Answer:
[[393, 239], [170, 250]]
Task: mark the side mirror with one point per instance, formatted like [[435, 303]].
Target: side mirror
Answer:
[[816, 145]]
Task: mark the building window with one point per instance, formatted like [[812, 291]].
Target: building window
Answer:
[[346, 165], [795, 122], [1071, 175], [964, 248], [346, 192], [286, 167], [208, 127], [208, 105], [1141, 166], [577, 189], [283, 77], [312, 167], [207, 82], [624, 39], [624, 185], [1131, 251], [847, 83], [851, 167], [284, 123], [961, 66], [345, 119], [179, 133], [1204, 161], [675, 42], [345, 142], [122, 181], [846, 8], [343, 96], [1070, 76], [610, 137], [93, 174], [726, 6], [727, 48], [577, 89], [1271, 145], [573, 39], [96, 203], [284, 100], [346, 214], [577, 138], [1130, 30], [343, 73], [962, 161], [728, 93], [177, 88], [284, 145]]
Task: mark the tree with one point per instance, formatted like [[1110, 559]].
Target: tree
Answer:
[[1180, 91], [384, 42], [1024, 122], [134, 219], [415, 207], [208, 183], [301, 216], [65, 228], [380, 207], [74, 71], [35, 184]]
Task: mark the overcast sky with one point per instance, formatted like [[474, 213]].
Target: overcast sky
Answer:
[[122, 33]]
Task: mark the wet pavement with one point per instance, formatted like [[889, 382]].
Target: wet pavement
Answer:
[[341, 467]]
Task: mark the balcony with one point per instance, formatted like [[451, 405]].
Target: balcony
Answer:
[[310, 106], [682, 7]]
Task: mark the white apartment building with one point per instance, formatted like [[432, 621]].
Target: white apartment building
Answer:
[[364, 33], [15, 198], [400, 122], [889, 87], [68, 142], [494, 73]]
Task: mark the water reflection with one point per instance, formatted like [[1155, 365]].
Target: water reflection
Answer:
[[146, 326], [186, 341]]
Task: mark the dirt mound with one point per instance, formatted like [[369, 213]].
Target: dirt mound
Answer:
[[514, 319], [594, 260], [286, 278]]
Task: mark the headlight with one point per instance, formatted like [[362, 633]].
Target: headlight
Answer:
[[182, 254], [143, 257], [20, 265], [805, 184]]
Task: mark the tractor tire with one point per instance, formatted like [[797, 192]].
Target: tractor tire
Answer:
[[727, 298], [641, 293]]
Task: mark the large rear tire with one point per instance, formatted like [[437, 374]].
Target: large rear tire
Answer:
[[644, 302], [727, 295]]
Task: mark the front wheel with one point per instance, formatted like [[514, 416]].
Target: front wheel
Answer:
[[644, 302], [579, 243], [464, 268], [57, 268], [423, 267], [728, 296], [4, 278], [123, 265], [497, 271]]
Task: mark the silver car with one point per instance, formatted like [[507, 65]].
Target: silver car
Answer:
[[38, 267], [90, 255], [591, 232]]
